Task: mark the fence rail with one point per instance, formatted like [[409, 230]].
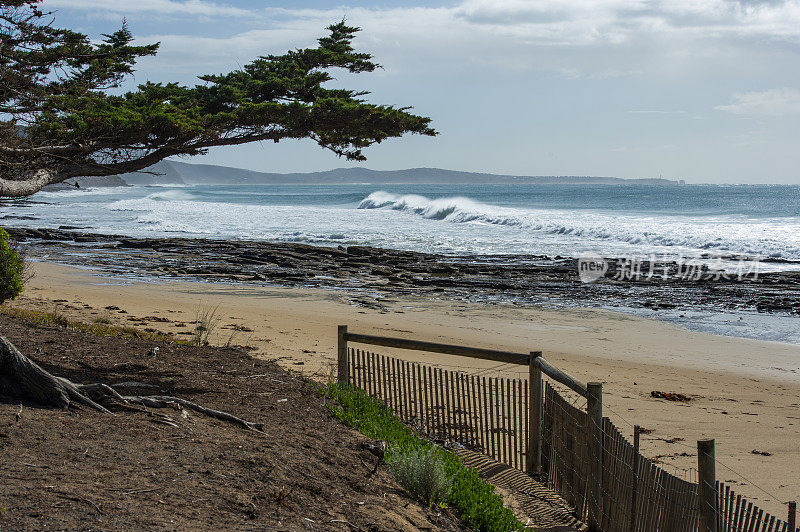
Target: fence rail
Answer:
[[431, 347], [529, 425]]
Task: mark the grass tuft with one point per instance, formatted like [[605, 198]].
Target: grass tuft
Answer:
[[99, 327], [473, 499], [206, 322]]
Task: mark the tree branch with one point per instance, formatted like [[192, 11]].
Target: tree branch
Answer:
[[58, 121], [38, 180]]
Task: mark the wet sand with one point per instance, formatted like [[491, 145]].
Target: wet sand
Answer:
[[746, 392]]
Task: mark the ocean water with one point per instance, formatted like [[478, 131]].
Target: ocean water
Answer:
[[757, 221]]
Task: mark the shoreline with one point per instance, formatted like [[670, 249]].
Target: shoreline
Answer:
[[740, 398], [765, 306]]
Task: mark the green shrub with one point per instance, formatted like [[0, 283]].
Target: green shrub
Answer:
[[474, 500], [422, 474], [12, 268]]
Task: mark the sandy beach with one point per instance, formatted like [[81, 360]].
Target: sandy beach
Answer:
[[746, 392]]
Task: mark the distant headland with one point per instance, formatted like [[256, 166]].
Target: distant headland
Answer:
[[180, 173]]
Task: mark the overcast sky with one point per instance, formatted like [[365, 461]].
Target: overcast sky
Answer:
[[702, 90]]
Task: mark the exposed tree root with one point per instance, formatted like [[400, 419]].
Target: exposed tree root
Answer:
[[22, 378], [164, 401]]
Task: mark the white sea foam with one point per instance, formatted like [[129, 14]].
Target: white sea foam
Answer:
[[151, 202], [172, 195], [455, 224], [775, 238], [78, 193]]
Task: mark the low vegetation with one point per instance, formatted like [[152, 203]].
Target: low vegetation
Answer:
[[12, 268], [100, 327], [427, 471], [422, 474], [206, 322]]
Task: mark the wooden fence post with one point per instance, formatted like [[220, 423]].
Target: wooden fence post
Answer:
[[533, 454], [792, 516], [594, 438], [637, 430], [344, 368], [707, 486]]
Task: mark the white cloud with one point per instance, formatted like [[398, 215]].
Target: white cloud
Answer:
[[579, 40], [772, 102], [575, 39], [655, 112], [550, 22], [166, 7], [590, 21]]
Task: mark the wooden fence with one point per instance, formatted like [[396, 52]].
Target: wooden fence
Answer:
[[635, 493], [482, 413], [736, 514], [529, 425], [564, 449]]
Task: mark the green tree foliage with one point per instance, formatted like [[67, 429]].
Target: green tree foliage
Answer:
[[59, 119], [12, 269]]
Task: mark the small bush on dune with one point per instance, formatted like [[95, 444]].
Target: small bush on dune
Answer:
[[422, 474], [12, 268]]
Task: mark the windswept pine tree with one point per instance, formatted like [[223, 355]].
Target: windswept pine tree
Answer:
[[60, 118]]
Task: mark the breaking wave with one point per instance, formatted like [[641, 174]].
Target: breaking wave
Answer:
[[455, 209], [485, 220], [172, 195], [768, 238]]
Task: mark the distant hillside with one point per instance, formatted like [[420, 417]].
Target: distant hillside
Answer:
[[89, 182], [162, 173], [176, 172]]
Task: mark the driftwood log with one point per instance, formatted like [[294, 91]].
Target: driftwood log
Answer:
[[22, 378]]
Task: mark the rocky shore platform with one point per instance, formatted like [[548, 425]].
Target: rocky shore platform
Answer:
[[374, 272]]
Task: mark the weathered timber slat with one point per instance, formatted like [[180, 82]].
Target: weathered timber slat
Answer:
[[417, 345]]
